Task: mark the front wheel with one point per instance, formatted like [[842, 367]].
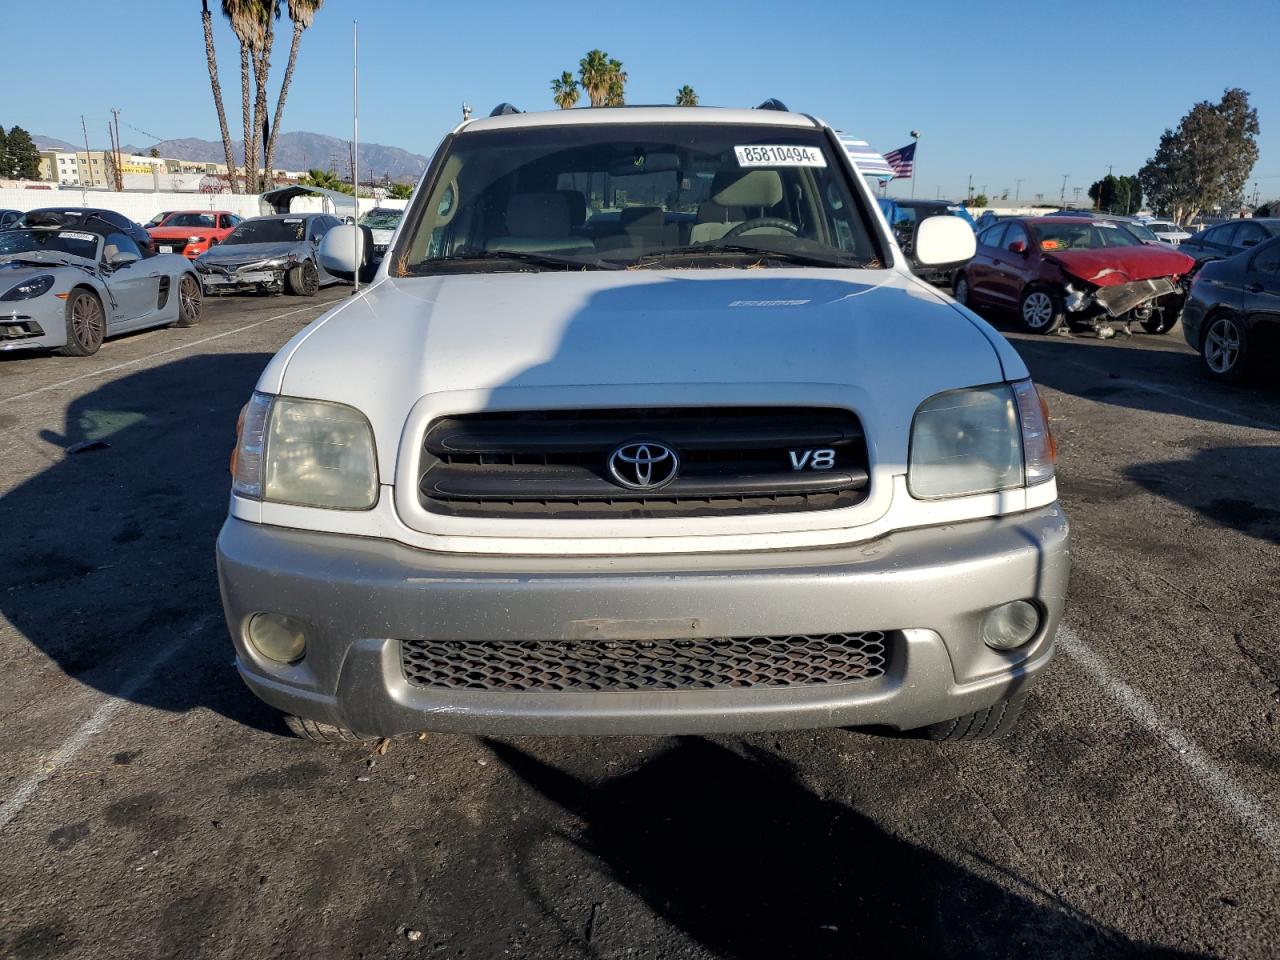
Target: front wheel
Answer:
[[990, 724], [318, 732], [1042, 310], [1225, 348], [960, 290], [303, 280], [86, 324]]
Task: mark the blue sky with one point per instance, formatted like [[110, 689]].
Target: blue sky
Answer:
[[1001, 91]]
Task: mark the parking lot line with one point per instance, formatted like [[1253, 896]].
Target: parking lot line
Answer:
[[1211, 777], [105, 713], [151, 356]]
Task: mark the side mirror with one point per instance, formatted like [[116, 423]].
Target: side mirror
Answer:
[[345, 250], [943, 241], [122, 258], [1018, 246]]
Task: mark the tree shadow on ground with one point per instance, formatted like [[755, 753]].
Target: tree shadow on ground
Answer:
[[745, 860], [107, 555]]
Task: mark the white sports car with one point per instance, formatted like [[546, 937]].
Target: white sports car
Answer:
[[67, 288]]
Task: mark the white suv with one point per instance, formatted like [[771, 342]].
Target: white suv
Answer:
[[644, 426]]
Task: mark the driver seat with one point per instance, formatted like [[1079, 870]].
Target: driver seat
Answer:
[[736, 197]]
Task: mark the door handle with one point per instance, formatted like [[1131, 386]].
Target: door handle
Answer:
[[1255, 287]]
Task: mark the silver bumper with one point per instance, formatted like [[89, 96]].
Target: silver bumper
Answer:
[[360, 597]]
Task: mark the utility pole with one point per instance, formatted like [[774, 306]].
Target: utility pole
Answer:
[[1076, 190], [115, 147], [915, 162], [1017, 193], [1062, 197], [971, 187], [87, 165], [358, 237]]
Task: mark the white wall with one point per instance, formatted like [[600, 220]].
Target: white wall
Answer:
[[136, 206]]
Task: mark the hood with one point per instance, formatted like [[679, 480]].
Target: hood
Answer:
[[1111, 266], [176, 233], [236, 253], [876, 338], [13, 272]]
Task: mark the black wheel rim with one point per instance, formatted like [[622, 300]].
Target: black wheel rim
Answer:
[[190, 297], [310, 279], [87, 322]]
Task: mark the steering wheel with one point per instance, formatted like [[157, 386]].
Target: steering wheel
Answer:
[[758, 222]]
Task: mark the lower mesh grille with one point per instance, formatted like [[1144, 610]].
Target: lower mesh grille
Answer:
[[615, 665]]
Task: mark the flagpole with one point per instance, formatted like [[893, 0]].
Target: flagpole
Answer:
[[355, 149], [915, 162]]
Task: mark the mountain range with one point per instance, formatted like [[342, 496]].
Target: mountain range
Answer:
[[294, 151]]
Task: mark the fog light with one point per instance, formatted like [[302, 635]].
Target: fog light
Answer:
[[277, 637], [1011, 625]]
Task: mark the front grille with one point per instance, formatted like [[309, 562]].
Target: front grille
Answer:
[[178, 245], [569, 666], [555, 463]]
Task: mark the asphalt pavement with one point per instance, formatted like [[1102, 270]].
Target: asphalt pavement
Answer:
[[151, 807]]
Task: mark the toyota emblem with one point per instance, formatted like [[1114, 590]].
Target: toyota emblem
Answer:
[[645, 465]]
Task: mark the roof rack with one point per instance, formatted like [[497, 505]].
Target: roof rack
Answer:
[[773, 103], [504, 109]]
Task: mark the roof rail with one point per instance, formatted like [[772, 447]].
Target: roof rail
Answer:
[[773, 103], [503, 109]]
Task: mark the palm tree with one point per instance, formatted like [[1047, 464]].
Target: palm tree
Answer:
[[244, 24], [268, 12], [617, 85], [302, 13], [564, 91], [212, 58], [597, 72], [685, 97]]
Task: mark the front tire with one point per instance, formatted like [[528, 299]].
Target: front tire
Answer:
[[1225, 348], [190, 301], [960, 290], [303, 280], [1041, 310], [992, 723], [86, 324], [318, 732]]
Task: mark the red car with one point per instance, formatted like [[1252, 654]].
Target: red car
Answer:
[[192, 232], [1073, 270]]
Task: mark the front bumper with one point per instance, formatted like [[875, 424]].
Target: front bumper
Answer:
[[264, 280], [360, 597], [33, 328]]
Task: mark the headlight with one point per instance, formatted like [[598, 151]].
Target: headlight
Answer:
[[306, 452], [35, 287], [195, 239], [287, 261], [980, 440]]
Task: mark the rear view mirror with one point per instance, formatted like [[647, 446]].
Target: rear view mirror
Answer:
[[642, 162], [942, 241], [345, 249]]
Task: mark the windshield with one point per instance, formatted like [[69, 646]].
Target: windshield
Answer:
[[1141, 232], [285, 230], [613, 195], [158, 218], [72, 242], [1082, 236], [380, 218], [189, 220]]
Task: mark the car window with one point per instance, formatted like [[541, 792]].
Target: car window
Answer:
[[75, 243], [1221, 234], [119, 243], [1082, 236], [190, 220], [1014, 233], [606, 194], [318, 227], [990, 237], [1248, 235], [1267, 259], [268, 230]]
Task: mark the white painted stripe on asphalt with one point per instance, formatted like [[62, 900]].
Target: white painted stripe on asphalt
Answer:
[[1211, 777], [159, 353], [1174, 394], [28, 789]]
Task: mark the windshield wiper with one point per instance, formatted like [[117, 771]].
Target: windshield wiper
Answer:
[[811, 259], [513, 257]]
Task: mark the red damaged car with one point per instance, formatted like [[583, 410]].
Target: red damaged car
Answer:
[[192, 232], [1075, 272]]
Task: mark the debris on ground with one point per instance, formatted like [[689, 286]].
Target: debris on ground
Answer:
[[383, 746], [413, 935]]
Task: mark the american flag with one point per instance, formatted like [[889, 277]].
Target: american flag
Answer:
[[902, 160]]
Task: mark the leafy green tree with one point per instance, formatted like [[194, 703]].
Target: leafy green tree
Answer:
[[400, 191], [301, 13], [325, 180], [1122, 195], [4, 152], [685, 97], [564, 91], [978, 200], [1203, 164], [22, 158]]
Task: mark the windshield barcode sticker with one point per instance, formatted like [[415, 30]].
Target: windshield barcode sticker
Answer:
[[71, 235], [780, 155]]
